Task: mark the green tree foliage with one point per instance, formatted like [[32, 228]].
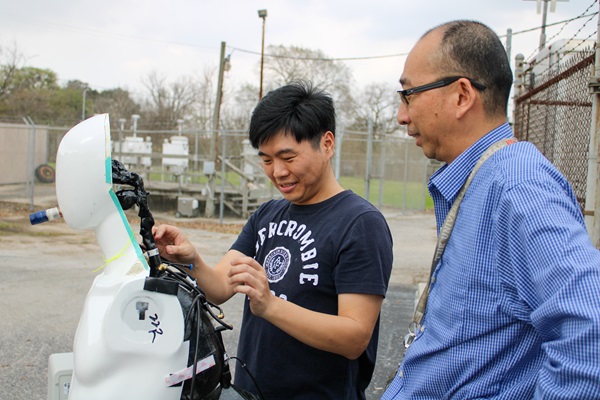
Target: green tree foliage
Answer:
[[66, 104], [116, 102], [29, 92], [33, 78], [35, 92]]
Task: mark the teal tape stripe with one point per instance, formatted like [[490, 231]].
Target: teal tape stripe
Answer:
[[108, 173], [138, 251]]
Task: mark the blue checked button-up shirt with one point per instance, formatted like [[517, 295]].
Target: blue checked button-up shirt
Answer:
[[514, 307]]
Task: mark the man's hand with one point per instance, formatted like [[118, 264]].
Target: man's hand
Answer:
[[173, 245], [248, 277]]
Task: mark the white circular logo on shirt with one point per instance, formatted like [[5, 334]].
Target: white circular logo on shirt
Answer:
[[277, 263]]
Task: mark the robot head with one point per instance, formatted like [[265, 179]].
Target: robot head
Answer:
[[83, 174], [85, 194]]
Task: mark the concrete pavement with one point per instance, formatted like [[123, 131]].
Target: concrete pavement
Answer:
[[45, 278]]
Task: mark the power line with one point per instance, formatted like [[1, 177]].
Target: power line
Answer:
[[398, 54], [322, 58]]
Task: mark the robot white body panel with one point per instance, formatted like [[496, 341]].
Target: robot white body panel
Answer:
[[129, 340]]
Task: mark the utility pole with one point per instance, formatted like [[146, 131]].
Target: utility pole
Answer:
[[544, 17], [262, 14], [508, 43], [83, 104], [209, 210]]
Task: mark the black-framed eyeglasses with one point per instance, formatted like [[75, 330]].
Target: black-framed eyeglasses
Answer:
[[434, 85]]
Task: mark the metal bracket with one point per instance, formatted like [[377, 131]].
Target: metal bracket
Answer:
[[594, 85]]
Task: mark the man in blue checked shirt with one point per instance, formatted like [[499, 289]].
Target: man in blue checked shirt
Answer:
[[513, 310]]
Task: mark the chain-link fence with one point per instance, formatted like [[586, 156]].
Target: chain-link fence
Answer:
[[389, 171], [555, 114]]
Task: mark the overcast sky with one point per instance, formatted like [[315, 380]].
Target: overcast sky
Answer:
[[114, 43]]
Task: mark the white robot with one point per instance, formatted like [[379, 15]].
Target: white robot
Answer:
[[145, 331]]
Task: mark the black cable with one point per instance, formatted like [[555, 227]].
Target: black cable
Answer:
[[207, 305], [176, 273], [243, 365], [216, 317], [194, 368]]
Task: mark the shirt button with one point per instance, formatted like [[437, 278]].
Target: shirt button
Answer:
[[401, 374], [432, 279], [422, 328]]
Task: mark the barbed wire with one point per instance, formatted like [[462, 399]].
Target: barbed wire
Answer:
[[537, 28], [566, 23], [574, 44]]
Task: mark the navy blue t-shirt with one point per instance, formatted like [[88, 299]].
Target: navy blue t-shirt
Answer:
[[312, 254]]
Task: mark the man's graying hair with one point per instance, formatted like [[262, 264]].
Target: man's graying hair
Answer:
[[471, 49]]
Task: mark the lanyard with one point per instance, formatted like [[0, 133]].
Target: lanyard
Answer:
[[443, 238]]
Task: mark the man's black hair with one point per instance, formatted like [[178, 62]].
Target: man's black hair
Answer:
[[297, 109]]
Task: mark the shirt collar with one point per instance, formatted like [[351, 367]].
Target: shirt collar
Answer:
[[450, 178]]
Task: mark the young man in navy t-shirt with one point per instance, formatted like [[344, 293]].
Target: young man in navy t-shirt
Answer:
[[314, 266]]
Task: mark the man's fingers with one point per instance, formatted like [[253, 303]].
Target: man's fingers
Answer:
[[246, 261]]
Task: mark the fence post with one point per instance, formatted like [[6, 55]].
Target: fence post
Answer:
[[508, 43], [381, 167], [30, 160], [223, 178], [517, 92], [369, 158], [592, 198], [338, 151]]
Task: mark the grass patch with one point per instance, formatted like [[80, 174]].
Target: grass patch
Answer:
[[22, 228], [9, 228], [397, 194], [5, 226]]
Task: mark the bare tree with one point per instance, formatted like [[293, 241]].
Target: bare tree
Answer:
[[11, 59], [238, 106], [286, 64], [202, 111], [378, 102], [168, 102]]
